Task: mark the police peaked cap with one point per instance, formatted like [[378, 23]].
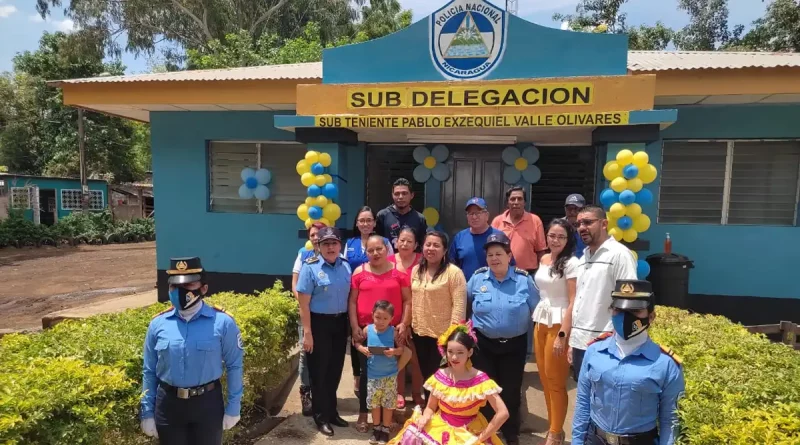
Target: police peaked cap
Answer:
[[632, 294], [184, 270]]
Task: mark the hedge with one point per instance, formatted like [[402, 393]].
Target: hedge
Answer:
[[740, 387], [80, 382]]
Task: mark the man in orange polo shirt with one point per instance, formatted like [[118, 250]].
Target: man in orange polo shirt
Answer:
[[526, 232]]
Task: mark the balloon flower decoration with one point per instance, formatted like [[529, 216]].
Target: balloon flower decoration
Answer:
[[255, 184], [319, 205], [624, 199], [519, 165]]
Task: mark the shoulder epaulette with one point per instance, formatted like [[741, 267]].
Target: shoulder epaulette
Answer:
[[521, 271], [170, 309], [312, 259], [601, 337], [671, 354], [217, 308], [481, 270]]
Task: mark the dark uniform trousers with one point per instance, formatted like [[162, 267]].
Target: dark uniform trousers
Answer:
[[326, 362], [595, 437], [504, 361], [193, 421]]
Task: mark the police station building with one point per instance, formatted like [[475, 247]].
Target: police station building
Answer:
[[475, 87]]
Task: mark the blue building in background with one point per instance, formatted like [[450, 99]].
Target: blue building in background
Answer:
[[54, 197]]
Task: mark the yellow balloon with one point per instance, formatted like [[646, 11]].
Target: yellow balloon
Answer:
[[635, 185], [320, 201], [612, 170], [307, 179], [312, 157], [640, 159], [309, 245], [635, 255], [309, 221], [630, 235], [648, 173], [612, 222], [325, 159], [624, 157], [619, 185], [521, 164], [326, 222], [642, 223], [320, 180], [302, 212], [616, 233], [328, 178], [617, 210], [431, 216], [302, 167], [429, 162], [633, 210], [331, 212], [310, 201]]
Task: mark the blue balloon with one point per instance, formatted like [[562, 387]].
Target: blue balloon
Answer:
[[251, 182], [631, 171], [625, 223], [262, 192], [642, 269], [317, 169], [608, 197], [627, 197], [315, 212], [330, 191], [314, 190], [644, 197]]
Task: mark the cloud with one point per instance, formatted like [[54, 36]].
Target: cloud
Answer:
[[7, 10], [65, 25], [36, 18]]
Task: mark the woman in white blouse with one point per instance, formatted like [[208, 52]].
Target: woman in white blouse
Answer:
[[556, 280]]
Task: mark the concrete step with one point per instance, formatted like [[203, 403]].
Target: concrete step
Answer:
[[112, 305]]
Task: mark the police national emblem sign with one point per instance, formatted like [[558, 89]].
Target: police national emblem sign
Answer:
[[467, 38]]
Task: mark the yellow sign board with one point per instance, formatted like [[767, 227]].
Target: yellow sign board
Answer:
[[588, 119], [509, 95]]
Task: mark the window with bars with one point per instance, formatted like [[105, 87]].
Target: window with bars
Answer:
[[730, 182], [228, 159], [20, 198], [71, 199]]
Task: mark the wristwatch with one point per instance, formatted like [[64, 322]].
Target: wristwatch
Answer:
[[562, 334]]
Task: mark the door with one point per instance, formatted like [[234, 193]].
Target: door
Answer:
[[565, 170], [386, 164], [477, 170]]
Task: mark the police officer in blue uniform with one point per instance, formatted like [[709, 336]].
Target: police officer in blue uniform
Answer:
[[502, 298], [185, 351], [629, 386], [323, 288]]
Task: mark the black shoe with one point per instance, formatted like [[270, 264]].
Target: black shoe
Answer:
[[325, 429], [376, 436], [338, 421], [384, 437], [512, 441], [305, 401]]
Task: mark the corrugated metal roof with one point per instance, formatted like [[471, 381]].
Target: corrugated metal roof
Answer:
[[639, 61]]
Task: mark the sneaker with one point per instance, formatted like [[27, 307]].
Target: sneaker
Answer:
[[305, 401], [384, 437], [377, 435]]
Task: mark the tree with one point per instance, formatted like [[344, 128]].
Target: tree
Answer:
[[382, 17], [778, 30], [708, 26], [650, 38]]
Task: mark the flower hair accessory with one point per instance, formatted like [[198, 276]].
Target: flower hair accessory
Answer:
[[464, 326]]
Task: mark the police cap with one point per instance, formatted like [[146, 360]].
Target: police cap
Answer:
[[497, 238], [184, 270], [632, 294], [327, 234]]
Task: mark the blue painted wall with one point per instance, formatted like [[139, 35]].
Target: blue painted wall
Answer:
[[732, 259], [56, 184], [405, 56]]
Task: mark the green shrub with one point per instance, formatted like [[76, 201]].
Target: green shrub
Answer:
[[80, 382], [740, 387]]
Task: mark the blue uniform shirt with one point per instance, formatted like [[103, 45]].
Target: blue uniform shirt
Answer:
[[629, 395], [188, 354], [328, 284], [502, 309], [305, 254], [467, 252]]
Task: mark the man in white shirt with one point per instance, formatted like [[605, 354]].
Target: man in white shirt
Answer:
[[604, 262]]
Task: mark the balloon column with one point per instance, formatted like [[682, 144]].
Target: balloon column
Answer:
[[319, 205], [624, 199]]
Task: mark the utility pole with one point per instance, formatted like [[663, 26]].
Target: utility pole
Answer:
[[82, 150], [512, 7]]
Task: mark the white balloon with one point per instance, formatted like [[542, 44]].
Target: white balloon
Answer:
[[441, 172], [247, 173], [532, 174], [263, 176], [420, 153], [261, 192], [244, 192], [422, 173], [510, 154], [531, 153], [440, 153], [511, 175]]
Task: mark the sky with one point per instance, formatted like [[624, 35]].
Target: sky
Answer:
[[21, 27]]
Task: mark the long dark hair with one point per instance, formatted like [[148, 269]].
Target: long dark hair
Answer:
[[462, 338], [356, 232], [560, 263], [423, 263]]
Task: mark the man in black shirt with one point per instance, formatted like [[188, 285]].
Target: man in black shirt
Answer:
[[393, 218]]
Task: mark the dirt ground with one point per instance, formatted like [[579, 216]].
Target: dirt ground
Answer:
[[37, 281]]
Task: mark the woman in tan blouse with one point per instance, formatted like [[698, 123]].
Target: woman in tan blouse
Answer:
[[438, 299]]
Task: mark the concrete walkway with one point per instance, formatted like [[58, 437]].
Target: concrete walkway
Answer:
[[112, 305], [299, 430]]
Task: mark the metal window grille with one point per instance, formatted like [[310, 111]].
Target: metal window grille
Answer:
[[228, 159], [692, 182], [20, 198], [71, 199]]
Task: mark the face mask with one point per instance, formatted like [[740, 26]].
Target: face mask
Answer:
[[627, 325], [183, 299]]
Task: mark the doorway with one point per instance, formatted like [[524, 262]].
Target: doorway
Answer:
[[386, 164], [565, 170], [48, 210]]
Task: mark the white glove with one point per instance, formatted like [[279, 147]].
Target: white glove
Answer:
[[229, 422], [149, 427]]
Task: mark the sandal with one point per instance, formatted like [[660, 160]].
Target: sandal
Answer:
[[362, 426], [401, 402]]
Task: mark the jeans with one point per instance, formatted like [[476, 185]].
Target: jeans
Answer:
[[302, 368]]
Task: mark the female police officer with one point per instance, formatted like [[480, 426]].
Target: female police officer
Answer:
[[629, 386], [323, 288], [184, 352], [502, 298]]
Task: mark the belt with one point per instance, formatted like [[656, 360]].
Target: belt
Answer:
[[317, 314], [185, 393], [499, 339], [624, 439]]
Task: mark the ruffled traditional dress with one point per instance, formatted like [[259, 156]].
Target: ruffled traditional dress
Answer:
[[458, 418]]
